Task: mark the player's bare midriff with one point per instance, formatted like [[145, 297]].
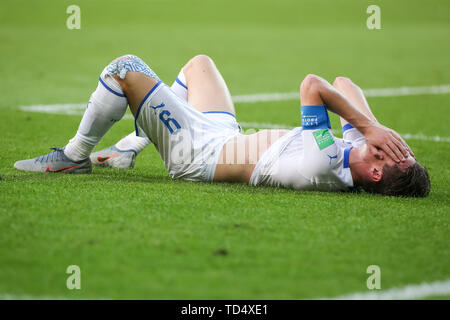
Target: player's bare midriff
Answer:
[[240, 154]]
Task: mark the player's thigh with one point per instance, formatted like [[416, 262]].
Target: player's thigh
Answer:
[[136, 86], [207, 90]]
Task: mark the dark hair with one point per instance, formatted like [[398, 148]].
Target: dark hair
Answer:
[[412, 182]]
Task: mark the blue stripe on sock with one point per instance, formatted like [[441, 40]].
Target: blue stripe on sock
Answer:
[[109, 89], [181, 83]]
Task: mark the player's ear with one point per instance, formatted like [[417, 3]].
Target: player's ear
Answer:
[[375, 174]]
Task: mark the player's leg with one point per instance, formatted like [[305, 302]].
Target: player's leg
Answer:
[[208, 91], [107, 105], [123, 154], [200, 83]]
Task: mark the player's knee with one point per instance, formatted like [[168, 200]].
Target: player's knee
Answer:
[[199, 61], [120, 66], [310, 83], [128, 57], [202, 59], [342, 82]]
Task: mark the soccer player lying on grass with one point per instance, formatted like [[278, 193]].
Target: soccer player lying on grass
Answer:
[[193, 126]]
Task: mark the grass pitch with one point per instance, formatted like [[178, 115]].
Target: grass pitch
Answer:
[[138, 234]]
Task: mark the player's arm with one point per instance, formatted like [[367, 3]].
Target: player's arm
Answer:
[[316, 91], [355, 95]]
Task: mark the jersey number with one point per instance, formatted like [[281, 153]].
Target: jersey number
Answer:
[[164, 117]]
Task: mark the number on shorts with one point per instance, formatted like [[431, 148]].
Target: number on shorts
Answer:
[[164, 117]]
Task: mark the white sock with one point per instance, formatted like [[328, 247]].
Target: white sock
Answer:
[[133, 142], [106, 106], [137, 144], [179, 86]]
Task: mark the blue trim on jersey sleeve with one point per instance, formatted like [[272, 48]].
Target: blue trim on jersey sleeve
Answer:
[[348, 126], [315, 117], [346, 157], [181, 83], [221, 112], [109, 89], [140, 106]]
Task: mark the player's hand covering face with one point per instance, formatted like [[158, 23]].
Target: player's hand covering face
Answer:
[[381, 137]]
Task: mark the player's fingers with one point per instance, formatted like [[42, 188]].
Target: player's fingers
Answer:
[[392, 151], [401, 144], [402, 149], [385, 147], [408, 147]]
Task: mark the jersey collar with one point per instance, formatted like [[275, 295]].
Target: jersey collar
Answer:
[[346, 157]]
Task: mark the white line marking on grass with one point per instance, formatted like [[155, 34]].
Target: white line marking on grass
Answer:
[[11, 296], [263, 125], [69, 108], [386, 92], [78, 109], [266, 97], [412, 291], [407, 91], [424, 137], [7, 296]]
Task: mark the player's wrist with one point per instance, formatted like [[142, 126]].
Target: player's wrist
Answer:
[[365, 125]]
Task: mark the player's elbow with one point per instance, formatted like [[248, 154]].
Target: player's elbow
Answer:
[[343, 83], [311, 83]]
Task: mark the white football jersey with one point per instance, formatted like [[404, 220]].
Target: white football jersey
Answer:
[[188, 140], [309, 157]]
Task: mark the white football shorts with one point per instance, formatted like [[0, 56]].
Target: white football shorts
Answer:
[[189, 141]]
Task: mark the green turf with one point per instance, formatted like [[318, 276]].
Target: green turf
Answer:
[[138, 234]]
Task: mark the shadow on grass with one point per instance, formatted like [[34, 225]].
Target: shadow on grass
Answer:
[[108, 175], [105, 177]]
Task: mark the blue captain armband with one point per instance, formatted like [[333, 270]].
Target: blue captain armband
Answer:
[[315, 117]]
